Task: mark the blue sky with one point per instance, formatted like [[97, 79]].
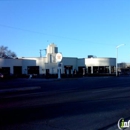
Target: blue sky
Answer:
[[78, 27]]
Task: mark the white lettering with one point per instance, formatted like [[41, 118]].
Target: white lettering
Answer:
[[126, 124]]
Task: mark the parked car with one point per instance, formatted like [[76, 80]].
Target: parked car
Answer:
[[1, 76], [6, 76]]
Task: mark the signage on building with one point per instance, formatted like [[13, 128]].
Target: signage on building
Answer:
[[58, 57]]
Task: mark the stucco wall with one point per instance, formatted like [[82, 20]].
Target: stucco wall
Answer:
[[40, 61], [100, 61], [10, 63], [26, 63], [81, 62], [16, 62], [52, 67], [70, 61]]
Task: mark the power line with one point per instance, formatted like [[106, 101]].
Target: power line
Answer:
[[31, 31]]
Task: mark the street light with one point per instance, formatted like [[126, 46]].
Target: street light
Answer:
[[117, 55]]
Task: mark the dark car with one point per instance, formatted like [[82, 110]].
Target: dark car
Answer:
[[6, 76], [1, 76]]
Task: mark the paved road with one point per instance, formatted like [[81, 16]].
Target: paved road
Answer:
[[93, 103]]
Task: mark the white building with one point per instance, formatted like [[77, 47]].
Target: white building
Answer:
[[47, 65]]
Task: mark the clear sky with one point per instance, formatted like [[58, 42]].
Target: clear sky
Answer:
[[78, 27]]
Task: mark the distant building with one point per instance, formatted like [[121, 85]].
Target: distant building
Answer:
[[124, 68], [100, 65], [47, 65]]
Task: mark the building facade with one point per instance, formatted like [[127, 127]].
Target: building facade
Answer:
[[48, 65]]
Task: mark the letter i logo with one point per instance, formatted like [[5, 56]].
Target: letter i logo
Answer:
[[122, 123]]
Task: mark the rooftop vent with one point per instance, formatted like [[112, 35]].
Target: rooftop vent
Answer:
[[91, 56]]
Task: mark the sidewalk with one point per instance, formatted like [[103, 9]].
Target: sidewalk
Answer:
[[51, 79]]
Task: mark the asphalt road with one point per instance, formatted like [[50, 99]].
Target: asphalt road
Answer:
[[92, 103]]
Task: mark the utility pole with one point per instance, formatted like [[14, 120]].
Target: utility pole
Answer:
[[40, 53], [117, 57]]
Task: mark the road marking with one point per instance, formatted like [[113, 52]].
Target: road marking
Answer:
[[20, 89]]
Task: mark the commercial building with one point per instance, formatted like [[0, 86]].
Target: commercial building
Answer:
[[48, 66], [124, 68]]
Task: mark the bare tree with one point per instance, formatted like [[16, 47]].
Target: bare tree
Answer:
[[5, 53]]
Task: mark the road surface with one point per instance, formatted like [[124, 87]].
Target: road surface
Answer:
[[92, 103]]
